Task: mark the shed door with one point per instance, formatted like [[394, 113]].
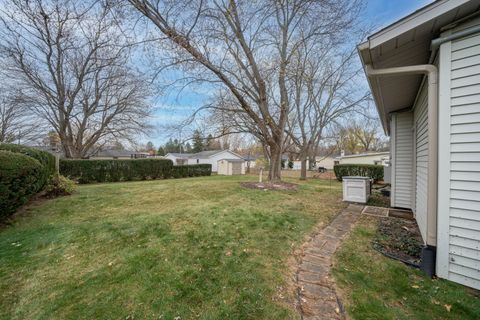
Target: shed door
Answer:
[[236, 168]]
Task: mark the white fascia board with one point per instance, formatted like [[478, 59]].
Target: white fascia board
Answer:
[[414, 20]]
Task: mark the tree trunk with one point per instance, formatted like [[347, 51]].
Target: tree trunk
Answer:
[[275, 170], [311, 162], [303, 168]]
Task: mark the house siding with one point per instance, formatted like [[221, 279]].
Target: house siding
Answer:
[[213, 160], [402, 162], [420, 119], [459, 152]]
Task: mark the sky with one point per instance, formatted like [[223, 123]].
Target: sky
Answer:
[[174, 107]]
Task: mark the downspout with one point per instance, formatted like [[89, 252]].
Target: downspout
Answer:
[[431, 72]]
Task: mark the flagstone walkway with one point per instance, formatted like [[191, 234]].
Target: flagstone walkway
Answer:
[[316, 294]]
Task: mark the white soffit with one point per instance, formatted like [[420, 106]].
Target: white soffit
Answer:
[[404, 43]]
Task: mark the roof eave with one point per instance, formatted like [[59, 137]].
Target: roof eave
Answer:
[[366, 60]]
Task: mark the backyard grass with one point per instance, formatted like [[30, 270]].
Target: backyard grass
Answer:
[[196, 248], [376, 287]]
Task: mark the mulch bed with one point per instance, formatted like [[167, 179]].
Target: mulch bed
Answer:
[[277, 186], [399, 239]]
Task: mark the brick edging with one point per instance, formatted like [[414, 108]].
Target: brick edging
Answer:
[[315, 288]]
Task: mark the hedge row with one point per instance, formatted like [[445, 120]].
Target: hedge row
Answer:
[[363, 170], [192, 170], [90, 171], [21, 176], [45, 158]]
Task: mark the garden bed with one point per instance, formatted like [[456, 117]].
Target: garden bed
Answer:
[[277, 186], [372, 286], [399, 239]]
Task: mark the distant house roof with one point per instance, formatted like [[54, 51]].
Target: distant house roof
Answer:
[[110, 153], [205, 154], [366, 154], [200, 155], [210, 153], [179, 155]]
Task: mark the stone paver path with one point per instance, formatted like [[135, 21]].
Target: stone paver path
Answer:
[[317, 298]]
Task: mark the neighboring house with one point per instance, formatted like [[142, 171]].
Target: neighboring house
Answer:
[[326, 162], [212, 157], [178, 159], [205, 157], [250, 161], [380, 158], [118, 154], [230, 167], [424, 73]]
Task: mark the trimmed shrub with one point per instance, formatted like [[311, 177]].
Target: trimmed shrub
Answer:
[[21, 177], [89, 171], [47, 160], [59, 186], [363, 170], [192, 170]]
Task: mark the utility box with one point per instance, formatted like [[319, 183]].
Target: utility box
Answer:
[[387, 174], [356, 189]]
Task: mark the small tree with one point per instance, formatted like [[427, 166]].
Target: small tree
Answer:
[[150, 147], [197, 138], [188, 147], [161, 151]]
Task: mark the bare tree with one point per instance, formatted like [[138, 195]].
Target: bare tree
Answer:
[[323, 91], [246, 47], [72, 68], [16, 124]]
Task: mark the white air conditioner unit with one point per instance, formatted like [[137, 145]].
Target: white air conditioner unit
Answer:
[[356, 189]]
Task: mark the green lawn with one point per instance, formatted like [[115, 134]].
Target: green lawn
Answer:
[[376, 287], [197, 248]]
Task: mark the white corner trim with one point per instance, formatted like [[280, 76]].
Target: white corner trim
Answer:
[[393, 164], [443, 207]]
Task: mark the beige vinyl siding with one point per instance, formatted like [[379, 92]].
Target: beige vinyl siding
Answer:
[[402, 162], [460, 116], [420, 118]]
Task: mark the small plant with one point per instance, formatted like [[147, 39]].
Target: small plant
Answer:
[[60, 186], [261, 163]]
